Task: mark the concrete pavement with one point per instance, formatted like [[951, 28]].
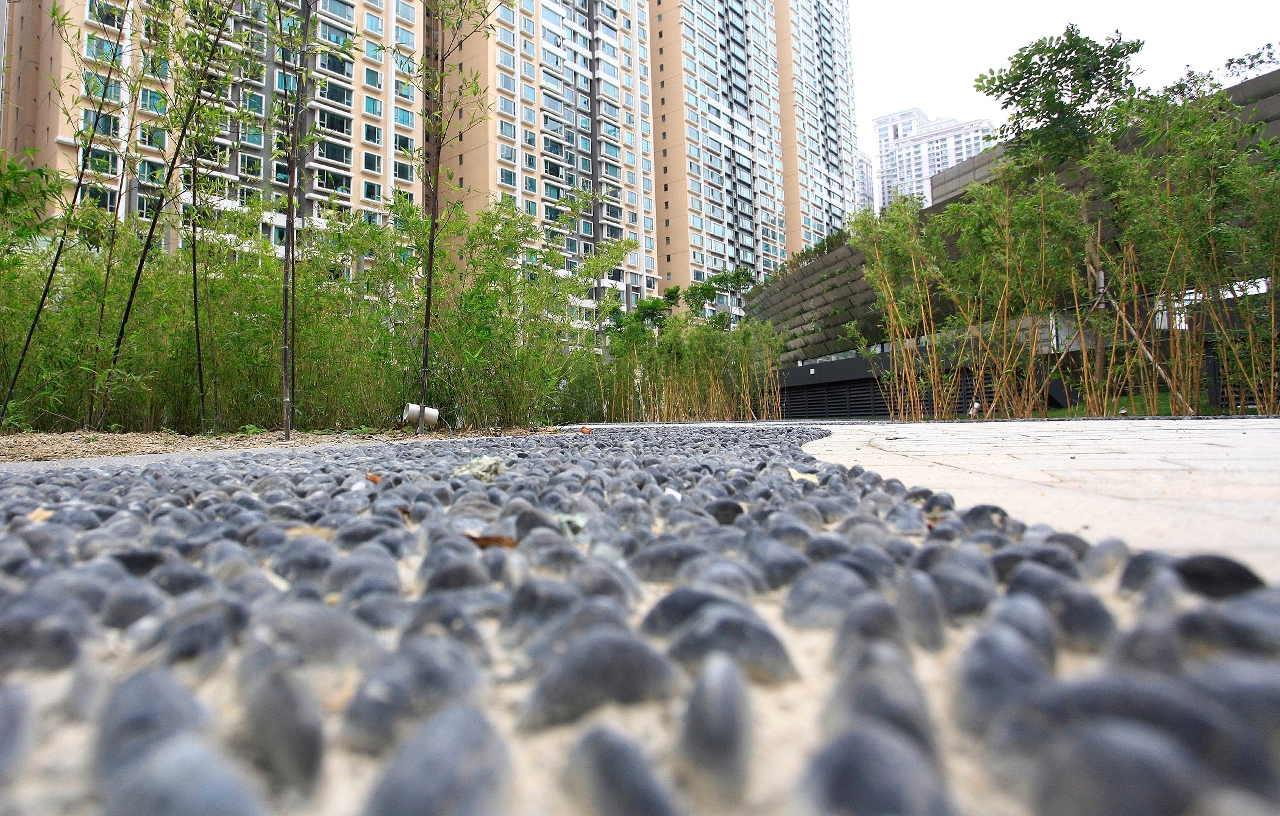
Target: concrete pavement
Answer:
[[1183, 485]]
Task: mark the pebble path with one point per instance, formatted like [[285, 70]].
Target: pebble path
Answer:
[[664, 620]]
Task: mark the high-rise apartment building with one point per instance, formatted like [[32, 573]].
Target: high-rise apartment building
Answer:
[[569, 91], [718, 134], [819, 139], [363, 108], [865, 183], [913, 148], [719, 140]]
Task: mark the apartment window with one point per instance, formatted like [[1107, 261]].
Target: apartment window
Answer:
[[334, 152], [152, 100], [333, 182], [402, 171], [373, 106], [528, 93], [147, 206], [506, 14], [334, 35], [336, 93], [530, 184], [506, 60], [507, 153], [335, 123], [250, 166], [102, 124], [373, 163], [99, 87], [100, 197], [588, 228], [506, 37], [151, 136], [102, 49], [338, 65], [404, 144], [372, 51], [531, 161], [506, 83], [286, 82], [106, 14], [340, 9], [249, 134], [373, 78], [404, 117], [404, 90], [506, 130], [405, 11], [405, 37], [155, 66], [101, 161], [373, 24], [373, 134], [506, 106], [507, 177], [372, 191], [252, 102]]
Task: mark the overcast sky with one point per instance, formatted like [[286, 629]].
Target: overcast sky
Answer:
[[925, 54]]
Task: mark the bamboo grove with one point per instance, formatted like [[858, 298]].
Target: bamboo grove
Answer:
[[1124, 267], [204, 311]]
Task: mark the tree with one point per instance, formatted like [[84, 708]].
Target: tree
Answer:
[[1062, 92], [207, 55], [25, 195], [451, 106]]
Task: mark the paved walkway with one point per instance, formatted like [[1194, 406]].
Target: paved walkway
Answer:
[[1184, 485]]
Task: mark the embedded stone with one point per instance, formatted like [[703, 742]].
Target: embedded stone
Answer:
[[455, 764], [744, 637], [597, 668], [821, 596], [715, 736], [998, 670], [606, 775], [873, 770]]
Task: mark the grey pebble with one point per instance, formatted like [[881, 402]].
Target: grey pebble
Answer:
[[182, 776], [880, 685], [921, 610], [681, 604], [1218, 739], [744, 637], [715, 735], [873, 770], [606, 775], [422, 676], [871, 618], [1116, 768], [455, 764], [15, 729], [598, 667], [998, 670], [821, 596], [284, 726], [143, 711]]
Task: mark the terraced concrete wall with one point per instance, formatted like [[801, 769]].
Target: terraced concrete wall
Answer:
[[813, 305]]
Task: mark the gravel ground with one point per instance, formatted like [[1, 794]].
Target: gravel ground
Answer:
[[52, 447], [633, 621]]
